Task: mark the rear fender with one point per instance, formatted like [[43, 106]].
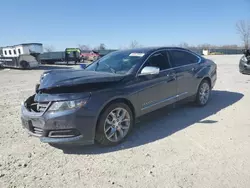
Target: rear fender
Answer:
[[204, 72]]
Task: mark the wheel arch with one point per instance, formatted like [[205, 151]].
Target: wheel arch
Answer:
[[208, 79], [23, 63], [116, 100]]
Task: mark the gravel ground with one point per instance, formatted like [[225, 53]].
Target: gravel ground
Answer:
[[183, 147]]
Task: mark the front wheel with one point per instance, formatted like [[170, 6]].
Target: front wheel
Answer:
[[203, 93], [114, 124]]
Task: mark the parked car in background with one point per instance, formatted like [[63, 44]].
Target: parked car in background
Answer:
[[101, 102], [89, 55], [244, 64]]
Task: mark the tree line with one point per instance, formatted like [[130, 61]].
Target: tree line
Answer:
[[242, 29]]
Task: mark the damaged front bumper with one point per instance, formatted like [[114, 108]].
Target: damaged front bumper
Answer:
[[244, 65], [70, 126], [244, 68]]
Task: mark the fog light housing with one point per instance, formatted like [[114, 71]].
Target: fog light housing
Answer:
[[63, 133]]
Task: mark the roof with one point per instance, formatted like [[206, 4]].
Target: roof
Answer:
[[157, 48], [148, 49], [23, 44], [142, 49]]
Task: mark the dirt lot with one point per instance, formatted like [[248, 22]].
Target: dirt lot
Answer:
[[183, 147]]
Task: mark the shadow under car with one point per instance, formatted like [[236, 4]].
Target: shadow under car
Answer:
[[163, 122]]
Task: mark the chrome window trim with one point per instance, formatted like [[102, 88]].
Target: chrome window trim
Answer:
[[188, 52], [137, 73]]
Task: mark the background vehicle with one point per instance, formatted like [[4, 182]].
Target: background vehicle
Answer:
[[21, 56], [52, 57], [92, 55], [89, 55], [244, 64], [70, 54], [102, 101]]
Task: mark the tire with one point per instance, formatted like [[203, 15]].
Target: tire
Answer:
[[203, 93], [25, 65], [110, 134]]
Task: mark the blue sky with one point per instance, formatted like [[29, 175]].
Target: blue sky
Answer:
[[117, 22]]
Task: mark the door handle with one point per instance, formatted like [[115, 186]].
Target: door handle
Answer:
[[193, 69]]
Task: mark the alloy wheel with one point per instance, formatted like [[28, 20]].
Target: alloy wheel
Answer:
[[204, 93], [117, 124]]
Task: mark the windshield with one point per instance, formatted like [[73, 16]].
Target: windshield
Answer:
[[119, 62]]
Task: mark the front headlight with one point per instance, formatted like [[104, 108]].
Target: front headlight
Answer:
[[42, 76], [67, 105]]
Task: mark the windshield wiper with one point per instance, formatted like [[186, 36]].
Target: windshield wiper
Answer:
[[97, 65], [113, 70]]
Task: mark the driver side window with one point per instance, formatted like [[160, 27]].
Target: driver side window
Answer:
[[159, 60]]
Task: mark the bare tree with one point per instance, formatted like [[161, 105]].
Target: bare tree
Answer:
[[83, 47], [229, 46], [243, 29], [49, 48], [183, 45], [204, 46], [134, 44], [102, 46]]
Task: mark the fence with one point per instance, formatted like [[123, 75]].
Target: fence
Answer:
[[218, 51]]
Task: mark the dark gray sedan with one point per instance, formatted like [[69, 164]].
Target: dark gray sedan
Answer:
[[101, 102]]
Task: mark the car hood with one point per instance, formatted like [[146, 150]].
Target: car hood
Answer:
[[71, 77]]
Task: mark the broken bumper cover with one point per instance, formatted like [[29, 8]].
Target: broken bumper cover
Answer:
[[244, 68], [244, 65], [60, 127]]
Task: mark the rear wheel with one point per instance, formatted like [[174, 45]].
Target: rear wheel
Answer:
[[25, 65], [203, 93], [114, 124]]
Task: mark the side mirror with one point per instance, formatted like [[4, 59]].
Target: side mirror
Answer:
[[149, 70]]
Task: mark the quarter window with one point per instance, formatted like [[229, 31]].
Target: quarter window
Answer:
[[181, 58], [19, 51], [158, 60]]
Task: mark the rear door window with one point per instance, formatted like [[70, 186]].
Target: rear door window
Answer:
[[181, 58]]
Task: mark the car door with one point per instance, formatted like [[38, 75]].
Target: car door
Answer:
[[156, 90], [185, 65]]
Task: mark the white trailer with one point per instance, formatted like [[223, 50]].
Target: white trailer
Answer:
[[21, 56]]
